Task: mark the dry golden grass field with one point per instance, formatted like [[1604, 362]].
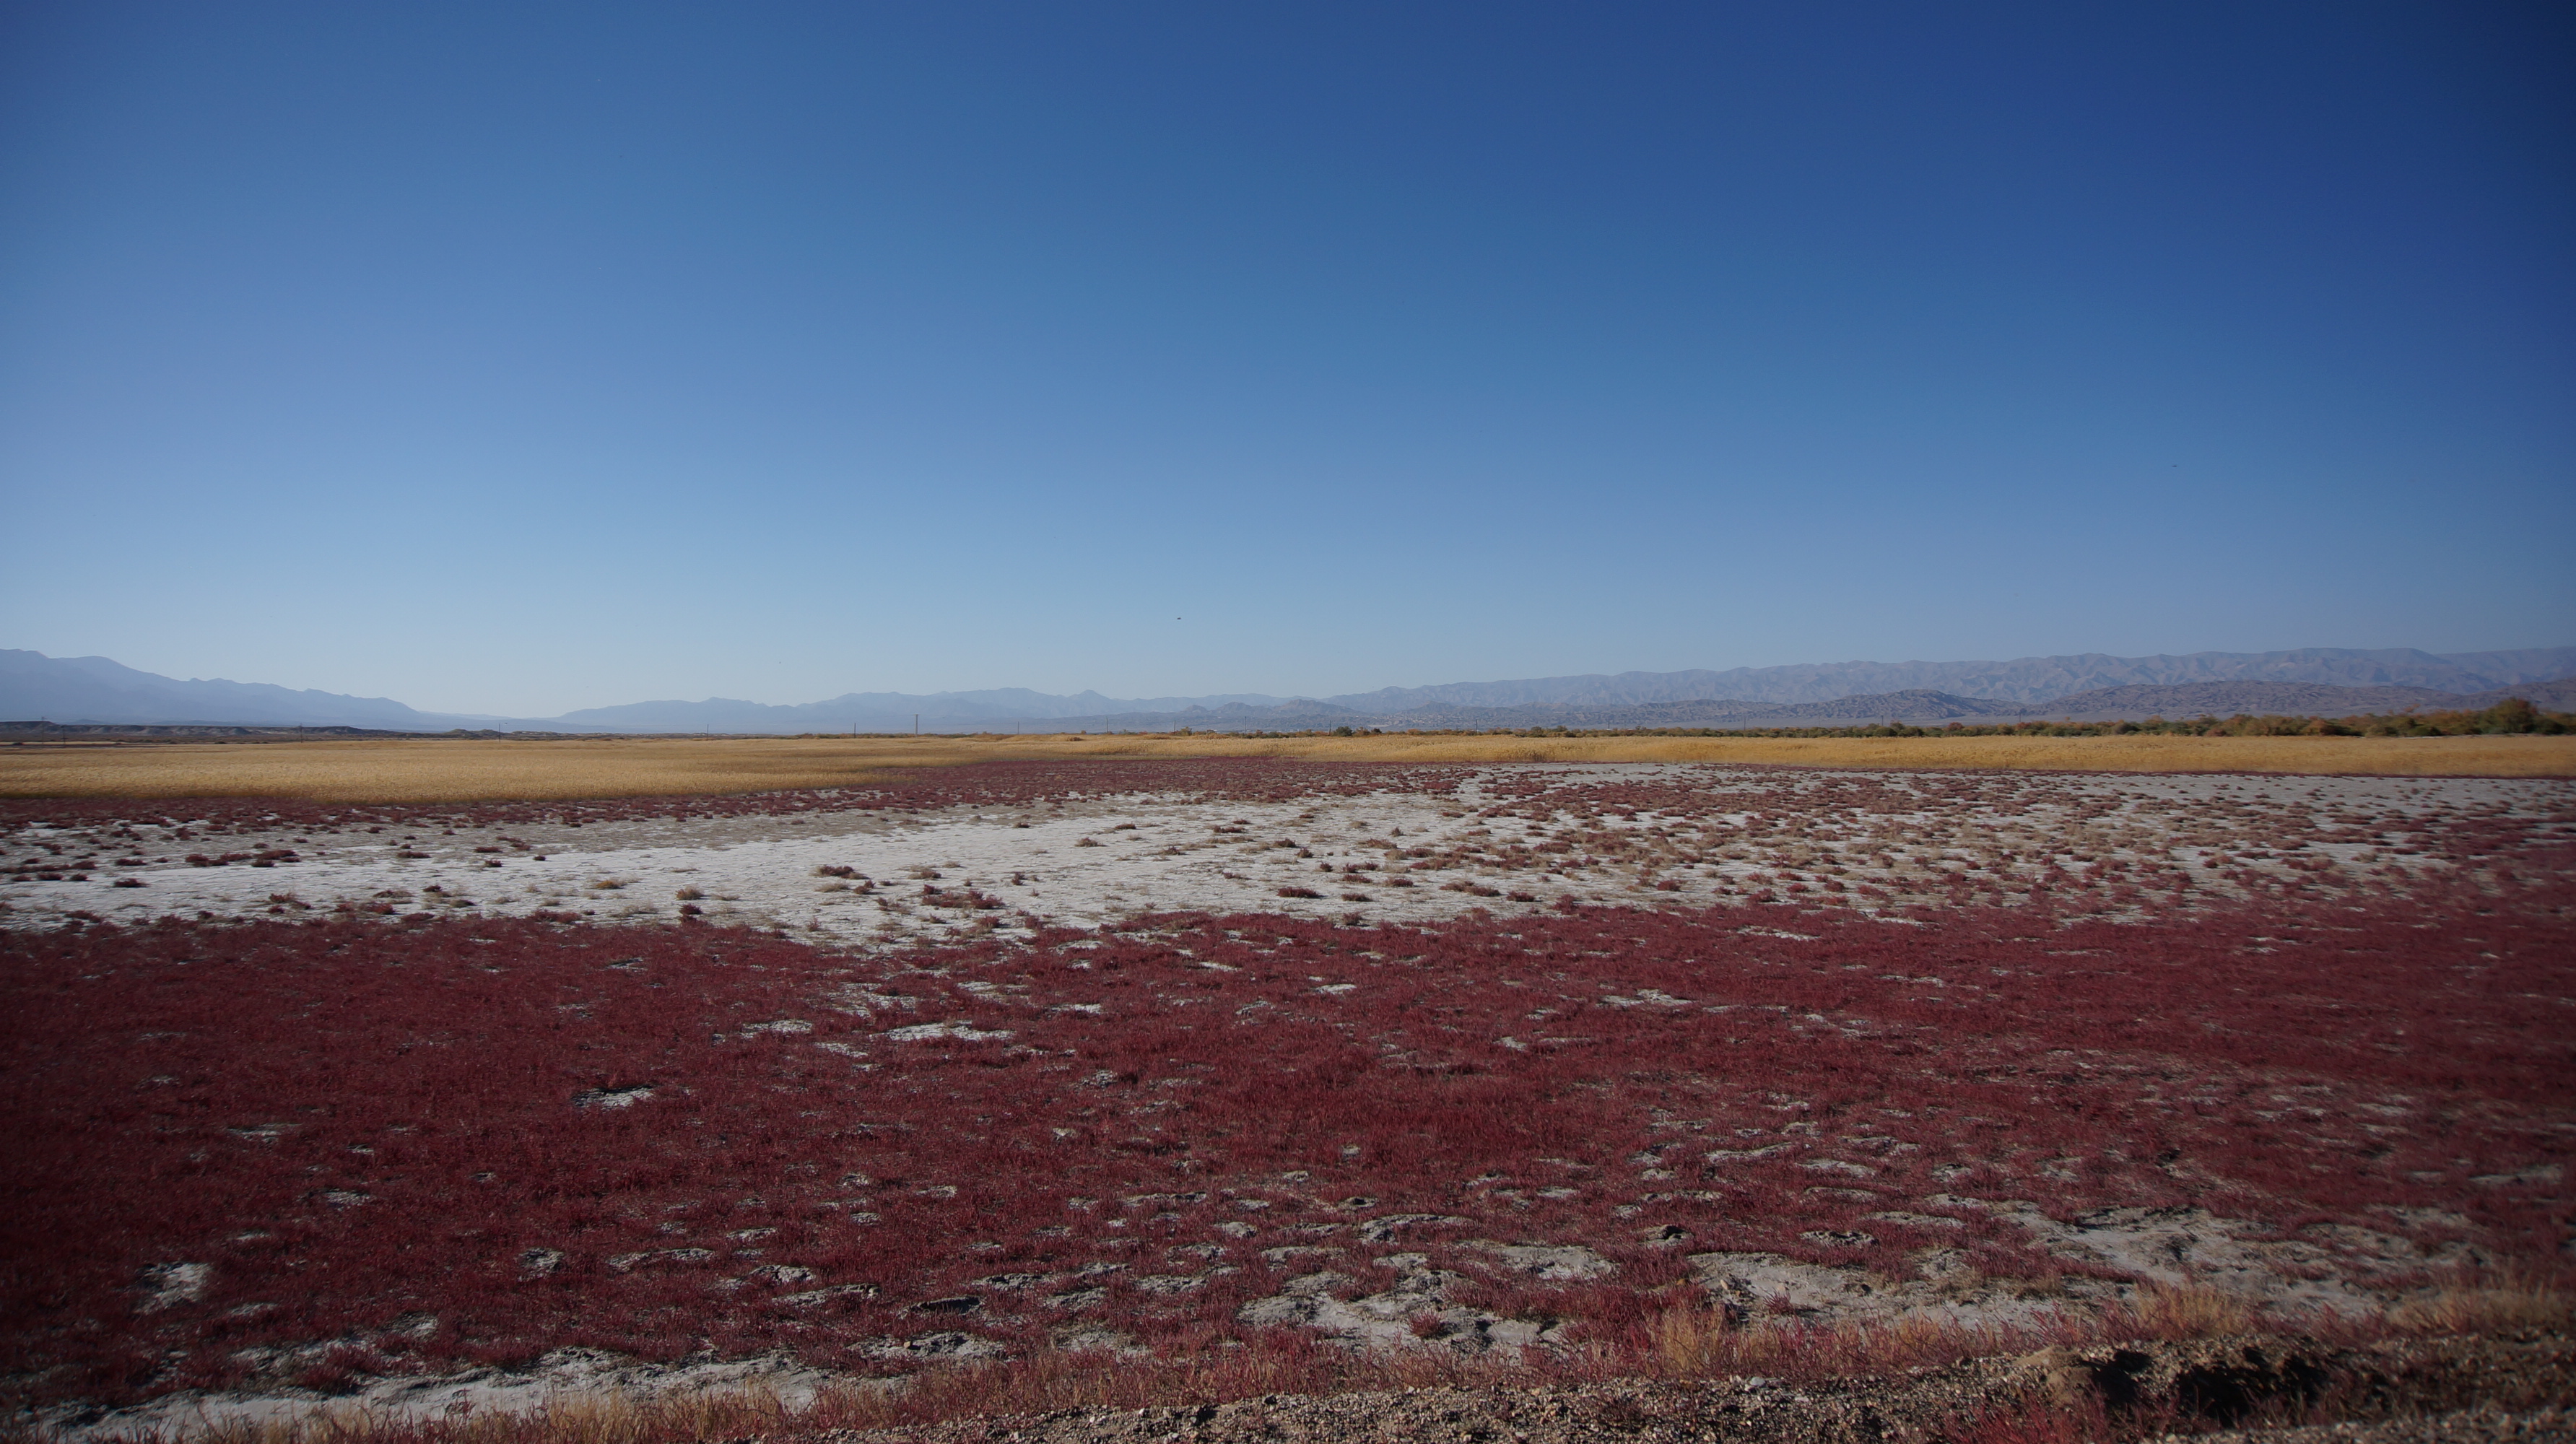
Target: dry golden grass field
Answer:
[[466, 770]]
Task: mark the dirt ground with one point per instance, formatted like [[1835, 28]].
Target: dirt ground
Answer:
[[1724, 835], [469, 769], [2434, 1392], [824, 912], [2514, 1389]]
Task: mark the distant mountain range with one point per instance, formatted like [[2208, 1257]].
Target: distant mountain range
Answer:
[[1917, 706], [881, 711], [2315, 680], [94, 689], [2030, 679]]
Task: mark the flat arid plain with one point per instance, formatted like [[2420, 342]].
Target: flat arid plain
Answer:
[[483, 770], [1223, 1088]]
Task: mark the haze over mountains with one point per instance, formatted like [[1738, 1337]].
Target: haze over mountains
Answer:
[[2029, 679], [2328, 680]]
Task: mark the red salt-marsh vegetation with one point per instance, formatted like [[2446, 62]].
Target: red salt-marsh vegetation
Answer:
[[476, 1141], [1776, 1125]]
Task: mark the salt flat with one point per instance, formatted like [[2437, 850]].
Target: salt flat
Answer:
[[1497, 837], [1024, 1060]]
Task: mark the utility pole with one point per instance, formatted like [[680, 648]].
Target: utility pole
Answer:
[[916, 724]]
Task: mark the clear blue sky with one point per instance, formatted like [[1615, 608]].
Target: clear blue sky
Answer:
[[521, 357]]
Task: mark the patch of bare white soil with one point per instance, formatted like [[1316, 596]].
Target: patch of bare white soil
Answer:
[[1396, 857]]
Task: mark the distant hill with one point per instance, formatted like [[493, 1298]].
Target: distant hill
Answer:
[[2325, 680], [1759, 696], [2226, 699], [2292, 699], [2558, 696], [1917, 707], [880, 712], [1915, 704], [93, 689], [2029, 679]]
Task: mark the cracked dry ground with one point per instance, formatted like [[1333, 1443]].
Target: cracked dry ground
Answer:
[[2003, 1053]]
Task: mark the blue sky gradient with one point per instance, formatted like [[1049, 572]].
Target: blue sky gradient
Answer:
[[518, 358]]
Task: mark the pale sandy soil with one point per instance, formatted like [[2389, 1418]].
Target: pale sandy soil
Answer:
[[1161, 852], [463, 770]]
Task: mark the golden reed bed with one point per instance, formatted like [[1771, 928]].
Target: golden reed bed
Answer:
[[467, 770]]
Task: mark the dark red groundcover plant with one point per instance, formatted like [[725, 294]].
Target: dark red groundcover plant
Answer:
[[476, 1140]]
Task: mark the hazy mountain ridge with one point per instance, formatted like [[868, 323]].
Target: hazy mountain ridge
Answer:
[[878, 711], [2328, 680], [95, 689], [1918, 707], [2225, 699], [2027, 679]]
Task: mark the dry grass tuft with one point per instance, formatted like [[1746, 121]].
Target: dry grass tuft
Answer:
[[1691, 1339], [2506, 1303], [2188, 1311], [1696, 1341], [563, 1419]]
